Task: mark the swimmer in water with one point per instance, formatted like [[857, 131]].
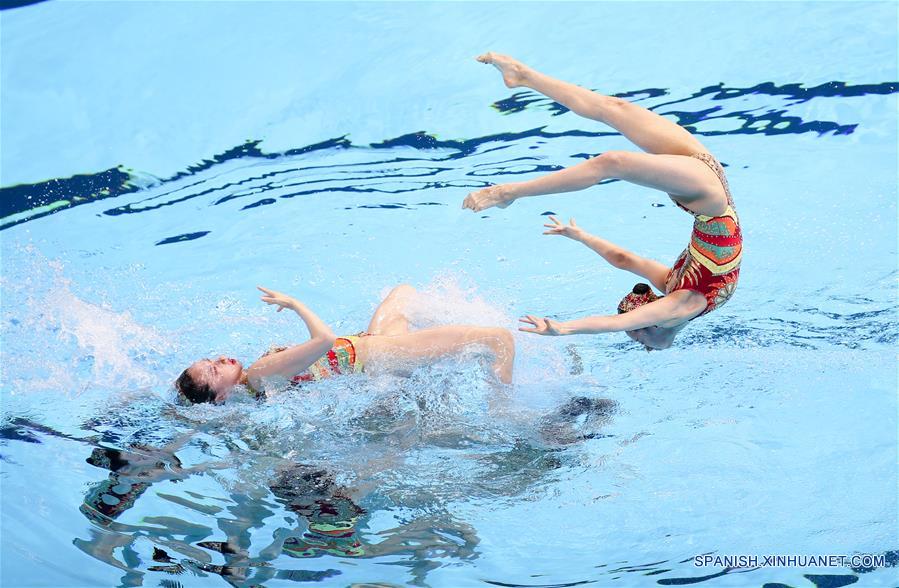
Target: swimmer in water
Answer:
[[387, 346], [702, 278]]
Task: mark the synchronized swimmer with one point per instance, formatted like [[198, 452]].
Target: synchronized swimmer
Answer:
[[387, 346], [702, 278]]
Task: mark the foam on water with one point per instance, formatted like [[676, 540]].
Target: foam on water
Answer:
[[69, 344]]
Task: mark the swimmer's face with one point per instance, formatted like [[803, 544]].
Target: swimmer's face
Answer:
[[221, 375], [652, 337]]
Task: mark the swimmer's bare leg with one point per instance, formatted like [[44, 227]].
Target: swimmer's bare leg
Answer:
[[390, 318], [644, 128], [686, 178], [667, 165], [428, 345]]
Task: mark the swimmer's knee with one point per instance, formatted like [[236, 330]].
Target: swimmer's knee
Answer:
[[505, 341], [508, 339], [505, 356], [402, 290], [611, 162]]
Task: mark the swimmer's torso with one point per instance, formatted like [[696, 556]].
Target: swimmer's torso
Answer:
[[342, 358], [346, 356], [710, 264]]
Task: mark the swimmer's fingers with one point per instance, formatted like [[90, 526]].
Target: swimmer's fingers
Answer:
[[557, 228], [542, 326], [269, 292], [486, 198], [269, 300], [475, 202], [273, 293], [529, 320], [272, 297], [469, 201]]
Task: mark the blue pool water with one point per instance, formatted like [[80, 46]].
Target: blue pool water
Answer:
[[161, 159]]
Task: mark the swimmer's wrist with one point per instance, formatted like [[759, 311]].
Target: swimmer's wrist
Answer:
[[582, 326], [563, 328], [512, 192]]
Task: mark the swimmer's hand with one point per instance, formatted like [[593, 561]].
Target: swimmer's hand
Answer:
[[281, 300], [541, 326], [571, 230], [500, 196]]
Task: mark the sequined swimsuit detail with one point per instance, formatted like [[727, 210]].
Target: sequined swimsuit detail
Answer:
[[340, 359], [710, 265]]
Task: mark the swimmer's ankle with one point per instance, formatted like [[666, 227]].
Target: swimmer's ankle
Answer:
[[524, 75], [515, 73], [511, 191]]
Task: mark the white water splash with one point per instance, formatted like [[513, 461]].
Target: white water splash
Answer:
[[451, 298], [69, 344]]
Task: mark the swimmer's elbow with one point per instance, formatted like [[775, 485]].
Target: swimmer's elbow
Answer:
[[326, 339], [621, 260]]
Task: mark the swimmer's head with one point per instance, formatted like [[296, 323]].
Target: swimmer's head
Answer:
[[640, 295], [209, 380], [650, 337]]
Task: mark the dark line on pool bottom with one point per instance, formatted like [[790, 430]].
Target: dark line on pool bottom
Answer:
[[58, 194], [10, 4], [794, 91], [184, 237], [820, 581], [50, 197]]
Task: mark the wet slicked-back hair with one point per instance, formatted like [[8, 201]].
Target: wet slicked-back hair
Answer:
[[191, 390]]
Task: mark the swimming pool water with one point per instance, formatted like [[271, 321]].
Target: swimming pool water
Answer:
[[160, 160]]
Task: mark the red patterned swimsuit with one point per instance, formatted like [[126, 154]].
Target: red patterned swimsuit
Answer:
[[710, 265]]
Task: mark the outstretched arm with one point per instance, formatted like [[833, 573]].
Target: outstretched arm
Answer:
[[293, 360], [663, 310], [617, 257], [317, 327]]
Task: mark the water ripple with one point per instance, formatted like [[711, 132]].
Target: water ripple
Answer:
[[25, 202]]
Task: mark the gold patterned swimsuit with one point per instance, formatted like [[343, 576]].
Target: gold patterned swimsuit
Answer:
[[340, 359], [710, 265]]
